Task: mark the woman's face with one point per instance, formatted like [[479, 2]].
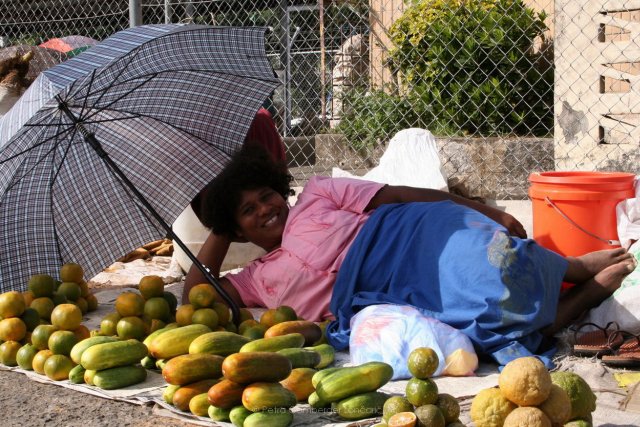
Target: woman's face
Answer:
[[261, 216]]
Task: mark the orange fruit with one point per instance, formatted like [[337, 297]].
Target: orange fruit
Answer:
[[245, 314], [184, 314], [255, 332], [71, 290], [84, 289], [66, 316], [58, 366], [11, 304], [44, 306], [39, 360], [246, 325], [92, 302], [156, 324], [59, 299], [423, 362], [31, 318], [40, 336], [171, 299], [25, 356], [157, 308], [131, 327], [9, 352], [28, 297], [12, 329], [151, 286], [109, 323], [81, 332], [223, 312], [205, 316], [130, 304], [402, 419], [71, 272], [82, 304], [202, 295], [41, 285], [272, 317], [61, 342]]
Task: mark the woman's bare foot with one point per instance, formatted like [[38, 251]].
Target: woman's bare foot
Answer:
[[585, 267], [589, 294]]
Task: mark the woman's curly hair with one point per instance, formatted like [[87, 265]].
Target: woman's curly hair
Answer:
[[250, 168]]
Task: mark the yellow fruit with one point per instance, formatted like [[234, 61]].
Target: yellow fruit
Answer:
[[287, 312], [157, 308], [11, 304], [71, 290], [81, 332], [202, 295], [527, 416], [421, 391], [61, 342], [39, 360], [223, 312], [583, 401], [66, 316], [151, 287], [131, 327], [429, 415], [58, 366], [490, 408], [205, 316], [525, 381], [557, 407], [41, 285], [71, 272], [92, 302], [423, 362], [272, 317], [108, 325], [449, 407], [28, 297], [41, 334], [184, 314], [12, 329], [9, 352], [394, 405], [402, 419], [44, 306], [130, 304], [84, 289]]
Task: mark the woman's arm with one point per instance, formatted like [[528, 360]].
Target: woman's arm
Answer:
[[211, 255], [404, 194]]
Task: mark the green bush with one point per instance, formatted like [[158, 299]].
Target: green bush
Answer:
[[467, 67]]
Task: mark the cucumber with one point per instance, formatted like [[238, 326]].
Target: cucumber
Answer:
[[119, 377], [318, 376], [148, 362], [218, 414], [76, 375], [301, 357], [278, 418], [238, 414], [327, 355], [354, 380], [263, 396], [221, 343], [360, 406], [294, 340], [82, 346], [169, 391], [112, 354]]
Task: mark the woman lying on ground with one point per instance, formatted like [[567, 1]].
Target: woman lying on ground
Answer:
[[348, 243]]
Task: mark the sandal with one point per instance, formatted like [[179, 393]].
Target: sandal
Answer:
[[595, 343], [628, 353]]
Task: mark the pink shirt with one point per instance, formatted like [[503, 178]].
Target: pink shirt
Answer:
[[319, 230]]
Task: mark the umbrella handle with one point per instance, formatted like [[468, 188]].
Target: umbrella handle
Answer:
[[95, 144]]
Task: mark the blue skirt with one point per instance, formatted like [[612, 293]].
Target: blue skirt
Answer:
[[455, 265]]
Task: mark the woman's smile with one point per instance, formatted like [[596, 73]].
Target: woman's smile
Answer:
[[261, 217]]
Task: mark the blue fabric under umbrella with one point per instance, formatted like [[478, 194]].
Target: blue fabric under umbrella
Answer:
[[107, 148]]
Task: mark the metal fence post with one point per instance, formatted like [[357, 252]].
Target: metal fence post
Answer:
[[135, 13]]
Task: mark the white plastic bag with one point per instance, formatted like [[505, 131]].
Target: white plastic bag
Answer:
[[411, 158], [628, 216], [388, 333]]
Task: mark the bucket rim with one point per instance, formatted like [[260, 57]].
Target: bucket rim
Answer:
[[580, 177]]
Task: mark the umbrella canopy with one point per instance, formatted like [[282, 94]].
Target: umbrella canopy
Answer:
[[43, 58], [68, 43], [150, 115]]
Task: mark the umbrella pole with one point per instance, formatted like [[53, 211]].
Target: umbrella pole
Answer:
[[95, 144]]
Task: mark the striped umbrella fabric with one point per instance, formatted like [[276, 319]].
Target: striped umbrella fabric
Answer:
[[168, 104]]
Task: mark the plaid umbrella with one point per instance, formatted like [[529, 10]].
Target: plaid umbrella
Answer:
[[107, 148]]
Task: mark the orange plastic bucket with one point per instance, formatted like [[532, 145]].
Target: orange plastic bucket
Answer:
[[575, 212]]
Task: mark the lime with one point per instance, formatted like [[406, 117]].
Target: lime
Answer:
[[422, 362], [394, 405], [421, 391]]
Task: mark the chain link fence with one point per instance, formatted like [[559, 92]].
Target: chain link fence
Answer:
[[506, 86]]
